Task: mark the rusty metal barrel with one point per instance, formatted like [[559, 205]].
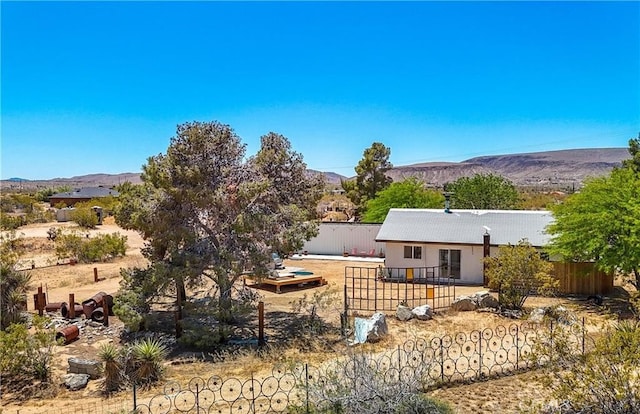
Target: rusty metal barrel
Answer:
[[64, 310], [54, 306], [88, 306], [70, 333], [98, 315], [98, 298]]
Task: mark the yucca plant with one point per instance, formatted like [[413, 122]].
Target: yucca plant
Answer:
[[113, 369], [147, 357], [13, 294]]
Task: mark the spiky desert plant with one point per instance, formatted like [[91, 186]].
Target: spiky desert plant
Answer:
[[147, 357], [13, 294], [113, 369]]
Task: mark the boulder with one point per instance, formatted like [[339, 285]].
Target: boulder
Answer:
[[85, 366], [370, 330], [464, 303], [485, 300], [75, 382], [562, 315], [537, 315], [423, 312], [404, 313]]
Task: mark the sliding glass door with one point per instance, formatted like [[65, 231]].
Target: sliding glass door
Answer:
[[450, 263]]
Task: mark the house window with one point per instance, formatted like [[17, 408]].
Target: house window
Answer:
[[413, 252], [450, 263]]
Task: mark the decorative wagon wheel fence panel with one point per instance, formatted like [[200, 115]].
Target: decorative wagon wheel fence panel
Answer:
[[271, 394], [423, 363]]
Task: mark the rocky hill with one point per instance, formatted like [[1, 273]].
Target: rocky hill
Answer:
[[550, 168]]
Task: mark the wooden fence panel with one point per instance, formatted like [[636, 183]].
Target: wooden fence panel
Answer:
[[582, 279]]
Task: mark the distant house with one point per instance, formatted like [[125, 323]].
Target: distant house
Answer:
[[457, 241], [81, 195]]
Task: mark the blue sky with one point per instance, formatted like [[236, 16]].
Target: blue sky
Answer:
[[91, 87]]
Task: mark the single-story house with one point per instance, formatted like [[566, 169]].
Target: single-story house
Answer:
[[456, 241], [81, 195]]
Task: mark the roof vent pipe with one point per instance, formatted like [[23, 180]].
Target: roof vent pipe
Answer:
[[447, 201]]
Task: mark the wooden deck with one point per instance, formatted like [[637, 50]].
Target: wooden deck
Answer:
[[287, 279]]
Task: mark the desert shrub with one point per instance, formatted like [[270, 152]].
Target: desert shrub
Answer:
[[309, 306], [199, 336], [84, 217], [366, 384], [130, 309], [11, 222], [517, 272], [604, 381], [25, 356], [100, 248]]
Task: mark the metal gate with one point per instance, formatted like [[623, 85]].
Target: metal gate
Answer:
[[384, 288]]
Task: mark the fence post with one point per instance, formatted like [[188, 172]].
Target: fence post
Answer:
[[253, 395], [260, 323], [551, 342], [441, 361], [72, 306], [306, 382], [583, 335], [375, 293], [480, 358], [346, 305], [197, 397], [517, 349], [40, 301], [135, 403]]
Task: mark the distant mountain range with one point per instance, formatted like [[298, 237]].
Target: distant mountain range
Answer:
[[550, 168], [557, 168]]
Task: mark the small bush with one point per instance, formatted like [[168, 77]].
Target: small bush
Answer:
[[90, 250], [84, 217], [367, 384], [11, 222], [25, 357], [604, 381], [130, 309]]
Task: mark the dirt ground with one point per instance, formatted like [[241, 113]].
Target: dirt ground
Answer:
[[59, 280]]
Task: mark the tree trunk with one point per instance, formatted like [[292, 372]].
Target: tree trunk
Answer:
[[225, 303], [636, 273]]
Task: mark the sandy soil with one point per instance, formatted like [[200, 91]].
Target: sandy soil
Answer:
[[499, 395]]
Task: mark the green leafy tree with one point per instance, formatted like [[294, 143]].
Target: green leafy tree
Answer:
[[516, 272], [634, 149], [409, 193], [601, 223], [208, 213], [484, 192], [370, 176]]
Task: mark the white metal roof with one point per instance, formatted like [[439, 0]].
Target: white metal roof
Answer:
[[465, 226]]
